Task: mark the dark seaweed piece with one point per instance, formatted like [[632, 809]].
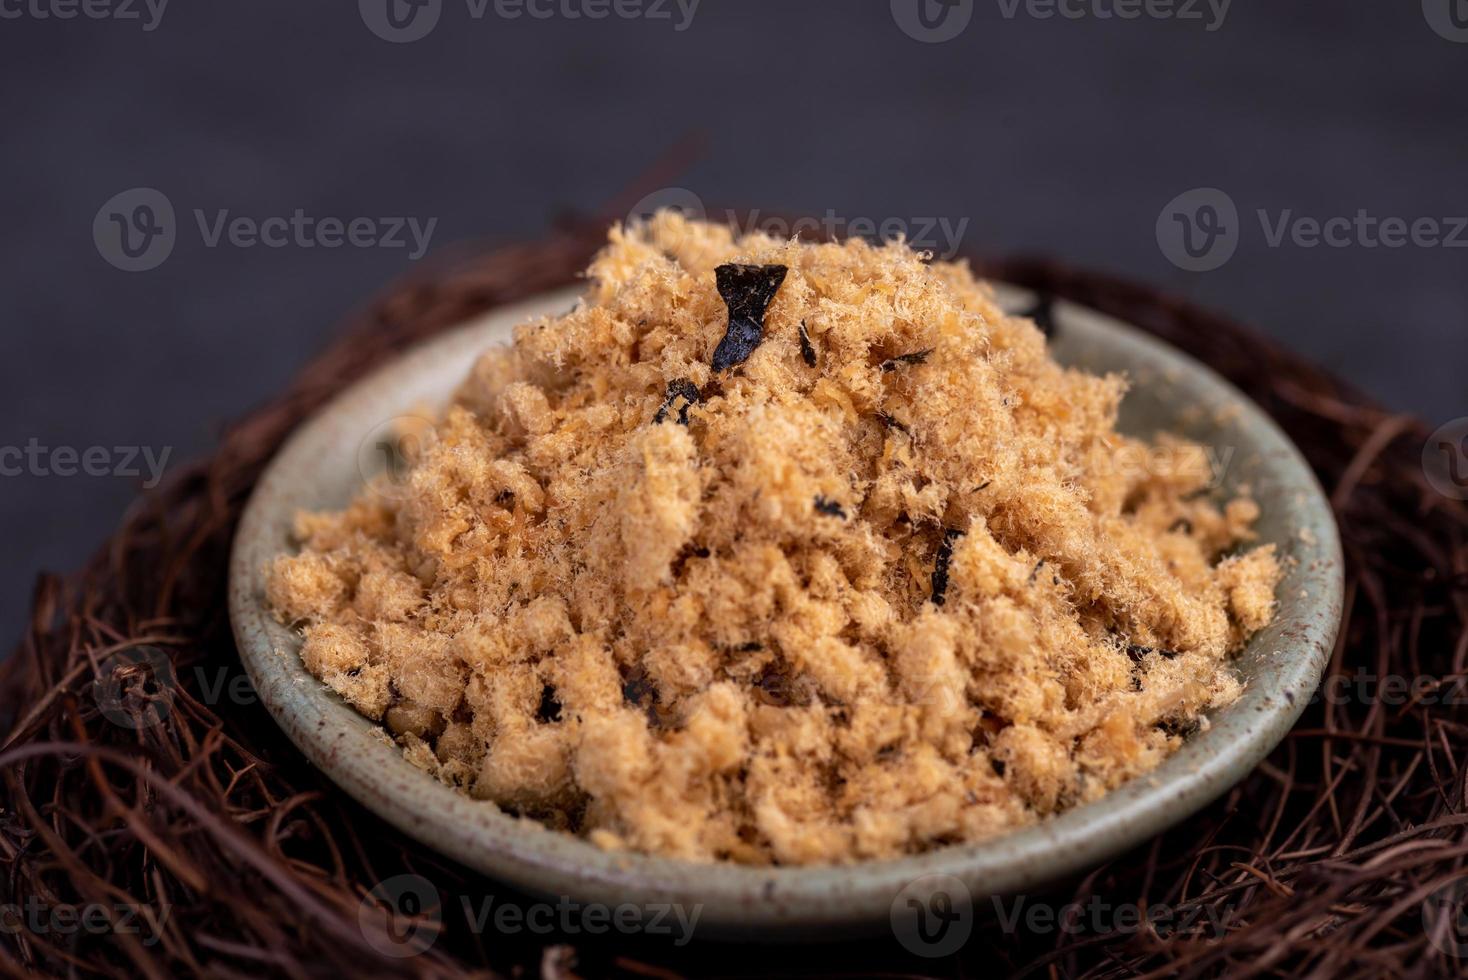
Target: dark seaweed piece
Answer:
[[1137, 652], [916, 357], [550, 706], [987, 730], [807, 350], [1035, 572], [998, 766], [1043, 313], [679, 389], [892, 423], [681, 559], [1178, 728], [940, 567], [775, 688], [829, 507], [638, 691], [711, 390], [983, 486], [746, 291], [1182, 524]]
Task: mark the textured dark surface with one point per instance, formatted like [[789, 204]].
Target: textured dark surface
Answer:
[[1056, 136]]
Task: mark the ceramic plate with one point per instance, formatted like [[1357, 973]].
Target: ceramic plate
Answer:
[[328, 458]]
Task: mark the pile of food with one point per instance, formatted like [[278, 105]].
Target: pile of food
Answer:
[[777, 552]]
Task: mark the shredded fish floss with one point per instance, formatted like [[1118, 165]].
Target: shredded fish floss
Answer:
[[782, 553]]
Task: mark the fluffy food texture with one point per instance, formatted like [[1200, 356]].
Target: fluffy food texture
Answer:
[[693, 613]]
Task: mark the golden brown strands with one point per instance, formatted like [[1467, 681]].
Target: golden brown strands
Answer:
[[923, 650]]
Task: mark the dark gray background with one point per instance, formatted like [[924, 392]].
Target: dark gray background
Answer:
[[1062, 136]]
